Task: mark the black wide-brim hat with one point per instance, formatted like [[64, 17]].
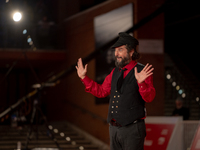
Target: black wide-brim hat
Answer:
[[125, 38]]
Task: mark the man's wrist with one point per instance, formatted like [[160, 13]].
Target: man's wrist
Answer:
[[139, 82], [82, 77]]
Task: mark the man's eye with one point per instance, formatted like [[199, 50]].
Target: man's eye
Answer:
[[119, 50]]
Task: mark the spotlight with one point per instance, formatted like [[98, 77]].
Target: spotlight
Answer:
[[50, 127], [174, 83], [37, 85], [55, 130], [31, 43], [81, 148], [180, 91], [24, 31], [17, 16], [29, 40], [62, 134], [177, 87], [73, 143], [183, 95], [68, 139], [168, 76]]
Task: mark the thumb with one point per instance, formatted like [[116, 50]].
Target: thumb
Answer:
[[86, 67]]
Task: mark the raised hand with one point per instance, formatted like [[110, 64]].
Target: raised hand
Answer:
[[145, 73], [81, 70]]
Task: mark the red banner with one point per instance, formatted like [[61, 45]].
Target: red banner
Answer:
[[158, 136]]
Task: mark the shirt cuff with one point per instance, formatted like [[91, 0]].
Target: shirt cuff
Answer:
[[142, 86], [86, 80]]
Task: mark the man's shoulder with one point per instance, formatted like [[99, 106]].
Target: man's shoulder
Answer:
[[139, 66]]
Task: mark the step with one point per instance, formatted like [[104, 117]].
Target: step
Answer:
[[9, 137]]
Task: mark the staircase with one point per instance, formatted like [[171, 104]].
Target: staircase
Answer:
[[66, 135], [180, 75]]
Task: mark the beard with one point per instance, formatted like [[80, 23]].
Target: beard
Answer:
[[124, 61]]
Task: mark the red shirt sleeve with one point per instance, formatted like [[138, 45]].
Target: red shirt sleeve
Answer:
[[147, 90], [98, 90]]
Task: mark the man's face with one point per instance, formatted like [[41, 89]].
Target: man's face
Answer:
[[122, 57], [179, 104]]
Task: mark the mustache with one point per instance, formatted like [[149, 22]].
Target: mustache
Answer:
[[117, 57]]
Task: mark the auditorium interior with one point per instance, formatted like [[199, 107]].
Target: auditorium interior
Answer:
[[44, 105]]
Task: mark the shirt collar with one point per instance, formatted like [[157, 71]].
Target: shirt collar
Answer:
[[130, 65]]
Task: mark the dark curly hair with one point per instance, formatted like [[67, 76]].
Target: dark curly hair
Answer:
[[135, 55]]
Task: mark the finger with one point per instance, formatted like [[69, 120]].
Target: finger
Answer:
[[86, 67], [150, 71], [145, 67], [80, 63], [149, 74], [77, 63]]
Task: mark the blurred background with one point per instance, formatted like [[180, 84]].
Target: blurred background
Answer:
[[38, 54]]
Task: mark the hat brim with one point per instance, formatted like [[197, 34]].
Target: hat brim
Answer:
[[117, 44]]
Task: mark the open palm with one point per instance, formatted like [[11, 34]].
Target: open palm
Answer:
[[81, 70], [145, 73]]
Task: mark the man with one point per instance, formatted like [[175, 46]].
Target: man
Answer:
[[180, 110], [130, 85]]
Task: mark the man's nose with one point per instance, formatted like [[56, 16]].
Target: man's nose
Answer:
[[116, 53]]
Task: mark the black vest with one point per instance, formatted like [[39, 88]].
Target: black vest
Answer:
[[127, 105]]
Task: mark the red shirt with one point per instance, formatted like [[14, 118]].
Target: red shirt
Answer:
[[146, 89]]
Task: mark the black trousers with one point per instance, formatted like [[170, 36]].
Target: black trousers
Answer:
[[130, 137]]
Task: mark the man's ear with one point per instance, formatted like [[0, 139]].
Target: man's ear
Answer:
[[131, 52]]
